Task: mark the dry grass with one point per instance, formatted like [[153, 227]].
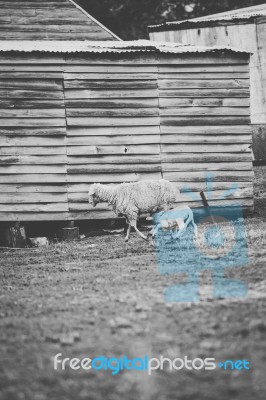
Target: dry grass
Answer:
[[68, 297]]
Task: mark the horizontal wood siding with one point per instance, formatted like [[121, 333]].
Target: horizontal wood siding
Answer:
[[48, 20], [205, 132], [246, 35], [67, 122], [113, 133], [33, 160]]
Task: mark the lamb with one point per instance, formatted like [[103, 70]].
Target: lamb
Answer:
[[179, 218], [132, 199]]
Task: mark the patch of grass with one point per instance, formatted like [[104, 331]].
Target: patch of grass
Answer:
[[66, 297]]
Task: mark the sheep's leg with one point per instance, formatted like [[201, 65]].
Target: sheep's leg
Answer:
[[182, 227], [134, 224], [155, 230], [191, 219], [195, 229], [174, 233], [128, 230]]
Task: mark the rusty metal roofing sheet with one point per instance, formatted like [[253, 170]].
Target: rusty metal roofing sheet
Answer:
[[112, 47], [245, 14]]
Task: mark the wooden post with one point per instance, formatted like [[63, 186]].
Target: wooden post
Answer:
[[70, 232], [15, 236], [206, 205]]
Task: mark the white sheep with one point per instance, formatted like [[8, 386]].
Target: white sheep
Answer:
[[178, 218], [132, 199]]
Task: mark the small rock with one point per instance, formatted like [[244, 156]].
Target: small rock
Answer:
[[164, 337], [210, 344], [113, 231], [39, 396], [143, 315], [76, 336], [139, 330], [120, 322], [63, 268], [67, 340], [258, 325], [169, 306], [52, 338], [243, 331], [138, 307], [172, 352], [215, 325], [142, 307], [187, 306]]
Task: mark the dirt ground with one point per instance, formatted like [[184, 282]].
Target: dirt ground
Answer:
[[100, 296]]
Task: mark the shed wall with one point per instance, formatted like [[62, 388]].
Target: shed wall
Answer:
[[246, 36], [48, 20], [113, 133], [32, 139], [69, 121], [205, 132], [250, 37]]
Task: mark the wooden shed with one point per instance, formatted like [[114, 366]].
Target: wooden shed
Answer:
[[75, 113], [244, 28], [49, 20]]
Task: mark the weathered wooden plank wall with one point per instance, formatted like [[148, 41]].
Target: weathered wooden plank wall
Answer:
[[241, 35], [113, 122], [33, 160], [204, 121], [67, 122], [48, 19]]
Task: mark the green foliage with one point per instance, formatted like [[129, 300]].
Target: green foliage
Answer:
[[129, 18]]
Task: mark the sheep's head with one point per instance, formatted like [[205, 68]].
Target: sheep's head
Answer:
[[93, 194]]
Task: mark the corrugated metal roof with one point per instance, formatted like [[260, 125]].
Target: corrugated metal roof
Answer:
[[248, 13], [113, 47]]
